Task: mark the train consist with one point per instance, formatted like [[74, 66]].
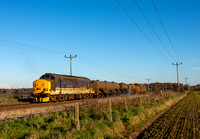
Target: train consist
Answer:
[[55, 87], [156, 87]]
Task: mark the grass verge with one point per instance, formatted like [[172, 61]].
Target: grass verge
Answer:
[[94, 123]]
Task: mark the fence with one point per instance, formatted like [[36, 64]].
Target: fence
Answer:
[[108, 104], [123, 103]]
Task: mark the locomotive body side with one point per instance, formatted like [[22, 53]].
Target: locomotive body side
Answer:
[[63, 87]]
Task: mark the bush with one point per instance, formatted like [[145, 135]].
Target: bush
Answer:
[[182, 90]]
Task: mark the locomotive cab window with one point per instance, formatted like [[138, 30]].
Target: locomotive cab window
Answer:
[[47, 76], [52, 77]]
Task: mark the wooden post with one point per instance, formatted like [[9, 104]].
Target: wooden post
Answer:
[[148, 99], [77, 116], [126, 105], [140, 101], [110, 110]]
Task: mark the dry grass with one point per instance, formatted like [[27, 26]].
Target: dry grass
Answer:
[[94, 123], [8, 100]]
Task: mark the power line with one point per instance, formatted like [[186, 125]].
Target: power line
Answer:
[[28, 47], [183, 71], [167, 35], [108, 69], [111, 72], [165, 30], [153, 30], [103, 70], [142, 31]]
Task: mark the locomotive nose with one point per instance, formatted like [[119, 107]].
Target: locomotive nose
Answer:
[[41, 90], [41, 86]]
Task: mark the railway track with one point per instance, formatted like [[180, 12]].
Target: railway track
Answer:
[[13, 104], [17, 110], [27, 105]]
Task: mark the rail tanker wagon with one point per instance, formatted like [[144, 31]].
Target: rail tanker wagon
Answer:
[[116, 88], [133, 88], [100, 88], [55, 87], [143, 89], [105, 88], [123, 87]]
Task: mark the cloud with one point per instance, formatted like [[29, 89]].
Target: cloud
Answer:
[[196, 68], [5, 86]]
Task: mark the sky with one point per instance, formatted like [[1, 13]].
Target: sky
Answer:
[[36, 34]]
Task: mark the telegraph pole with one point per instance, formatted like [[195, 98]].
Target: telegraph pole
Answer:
[[186, 80], [177, 64], [71, 62], [148, 84]]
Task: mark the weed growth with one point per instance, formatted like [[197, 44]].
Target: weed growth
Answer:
[[94, 123]]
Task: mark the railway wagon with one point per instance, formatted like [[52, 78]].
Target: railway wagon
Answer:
[[104, 88], [123, 87], [133, 88], [55, 87], [141, 88]]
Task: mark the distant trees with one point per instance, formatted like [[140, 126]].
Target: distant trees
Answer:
[[4, 91]]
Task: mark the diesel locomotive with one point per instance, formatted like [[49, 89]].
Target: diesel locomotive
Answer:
[[56, 87]]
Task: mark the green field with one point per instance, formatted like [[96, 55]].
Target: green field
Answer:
[[182, 121]]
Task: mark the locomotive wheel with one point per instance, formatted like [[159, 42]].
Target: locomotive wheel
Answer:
[[99, 96], [91, 96]]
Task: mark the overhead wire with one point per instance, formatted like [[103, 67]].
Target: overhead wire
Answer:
[[166, 33], [165, 30], [27, 46], [29, 49], [151, 42], [12, 44], [153, 31], [103, 70], [152, 28], [108, 69]]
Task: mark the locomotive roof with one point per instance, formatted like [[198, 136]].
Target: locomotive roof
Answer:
[[67, 76]]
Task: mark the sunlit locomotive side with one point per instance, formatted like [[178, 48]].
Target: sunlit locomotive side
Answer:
[[55, 87]]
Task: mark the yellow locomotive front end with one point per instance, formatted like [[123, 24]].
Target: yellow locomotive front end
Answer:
[[41, 90]]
